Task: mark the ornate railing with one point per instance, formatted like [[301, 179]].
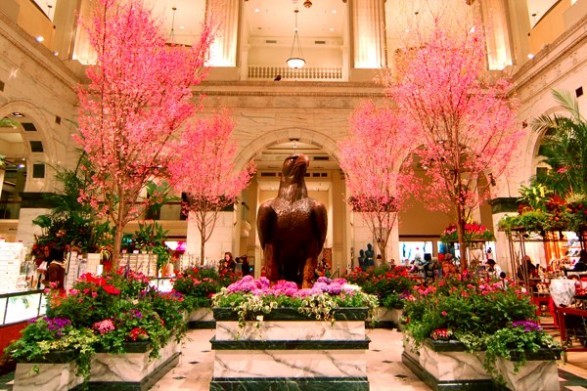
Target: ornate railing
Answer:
[[285, 73]]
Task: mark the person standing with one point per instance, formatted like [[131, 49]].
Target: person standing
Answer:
[[493, 269], [245, 265]]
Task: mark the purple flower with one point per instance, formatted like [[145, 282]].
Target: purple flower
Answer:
[[57, 325], [527, 325], [136, 313]]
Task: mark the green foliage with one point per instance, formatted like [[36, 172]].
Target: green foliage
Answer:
[[516, 343], [466, 306], [564, 147], [82, 228], [198, 285], [39, 341], [390, 285]]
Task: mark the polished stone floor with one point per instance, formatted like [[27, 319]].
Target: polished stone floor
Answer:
[[384, 367]]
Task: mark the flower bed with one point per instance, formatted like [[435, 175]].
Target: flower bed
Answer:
[[198, 285], [108, 314], [467, 325], [272, 337], [391, 285]]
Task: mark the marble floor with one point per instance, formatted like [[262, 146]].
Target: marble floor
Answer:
[[384, 367]]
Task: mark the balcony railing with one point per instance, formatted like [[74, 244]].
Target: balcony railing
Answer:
[[285, 73]]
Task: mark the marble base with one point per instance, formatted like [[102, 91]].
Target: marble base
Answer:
[[130, 367], [295, 353], [305, 384], [291, 330], [201, 318], [534, 375], [48, 377]]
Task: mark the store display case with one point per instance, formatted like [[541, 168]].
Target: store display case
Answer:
[[21, 306]]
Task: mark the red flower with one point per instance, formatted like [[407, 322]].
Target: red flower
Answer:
[[111, 290]]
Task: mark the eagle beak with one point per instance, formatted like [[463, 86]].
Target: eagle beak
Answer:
[[302, 160]]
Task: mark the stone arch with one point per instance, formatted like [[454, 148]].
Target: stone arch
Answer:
[[530, 160], [34, 115], [249, 151]]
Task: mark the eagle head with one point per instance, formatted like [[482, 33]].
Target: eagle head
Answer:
[[294, 167]]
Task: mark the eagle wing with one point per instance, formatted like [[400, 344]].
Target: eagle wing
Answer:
[[266, 221], [320, 223]]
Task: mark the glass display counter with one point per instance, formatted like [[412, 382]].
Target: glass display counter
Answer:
[[21, 306]]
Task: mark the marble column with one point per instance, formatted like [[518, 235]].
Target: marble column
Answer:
[[497, 36], [368, 32], [519, 28], [66, 24], [224, 48]]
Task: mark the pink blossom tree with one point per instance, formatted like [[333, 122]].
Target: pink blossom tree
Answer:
[[373, 157], [203, 167], [137, 98], [463, 122]]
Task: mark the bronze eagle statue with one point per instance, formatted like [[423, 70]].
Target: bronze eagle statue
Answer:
[[292, 227]]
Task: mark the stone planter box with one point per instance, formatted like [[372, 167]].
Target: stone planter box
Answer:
[[539, 373], [386, 318], [448, 366], [287, 349], [133, 370], [201, 318], [55, 373]]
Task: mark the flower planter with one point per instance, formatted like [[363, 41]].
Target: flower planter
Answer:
[[201, 318], [538, 373], [133, 370], [287, 348], [446, 365], [57, 372], [386, 318]]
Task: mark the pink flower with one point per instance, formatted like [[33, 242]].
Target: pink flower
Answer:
[[104, 326], [444, 313], [73, 292]]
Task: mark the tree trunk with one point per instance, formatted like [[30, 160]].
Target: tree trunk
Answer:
[[461, 238], [203, 242], [117, 246]]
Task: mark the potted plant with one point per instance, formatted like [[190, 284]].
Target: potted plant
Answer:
[[105, 318], [453, 324], [276, 325], [514, 352]]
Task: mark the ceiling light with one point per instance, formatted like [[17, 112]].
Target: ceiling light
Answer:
[[40, 38], [296, 59], [257, 10], [17, 114], [530, 56], [333, 11], [331, 29], [307, 3]]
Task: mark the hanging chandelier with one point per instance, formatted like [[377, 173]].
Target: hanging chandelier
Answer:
[[296, 58]]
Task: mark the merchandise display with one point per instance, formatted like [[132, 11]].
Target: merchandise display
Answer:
[[21, 306], [11, 257]]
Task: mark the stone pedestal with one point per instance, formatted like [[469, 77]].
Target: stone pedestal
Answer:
[[287, 349]]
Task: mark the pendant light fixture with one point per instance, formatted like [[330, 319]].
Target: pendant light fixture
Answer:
[[296, 58]]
